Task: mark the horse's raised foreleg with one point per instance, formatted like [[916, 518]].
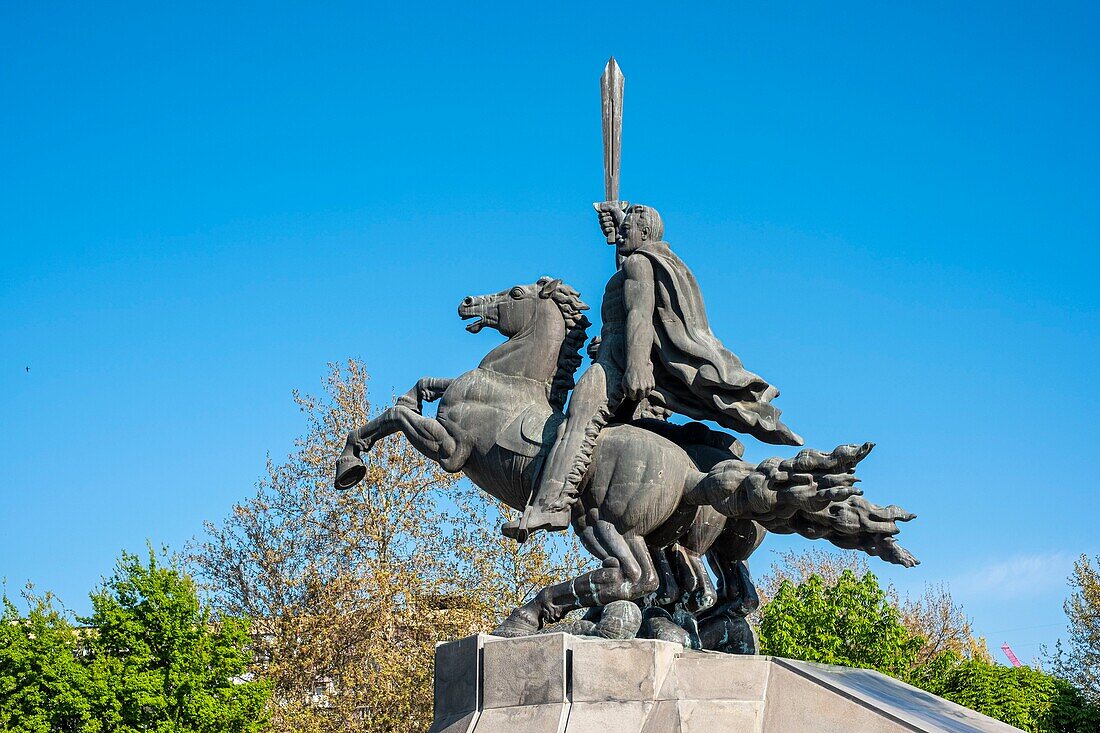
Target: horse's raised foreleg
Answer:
[[426, 434], [350, 468], [627, 574], [426, 389], [432, 438]]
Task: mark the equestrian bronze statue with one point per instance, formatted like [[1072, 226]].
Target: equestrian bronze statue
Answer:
[[655, 497], [648, 498]]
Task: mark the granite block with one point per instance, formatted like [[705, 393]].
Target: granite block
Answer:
[[608, 717], [529, 670], [630, 670], [714, 676], [555, 683], [455, 724], [456, 676], [549, 718], [711, 716]]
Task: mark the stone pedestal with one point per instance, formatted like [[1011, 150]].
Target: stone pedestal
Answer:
[[557, 683]]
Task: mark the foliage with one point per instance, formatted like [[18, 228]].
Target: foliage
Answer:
[[159, 661], [933, 616], [1079, 664], [351, 590], [797, 566], [151, 658], [941, 625], [43, 685], [498, 573], [854, 622], [850, 622], [1020, 696]]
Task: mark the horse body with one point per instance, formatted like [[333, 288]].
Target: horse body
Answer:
[[494, 410], [637, 479]]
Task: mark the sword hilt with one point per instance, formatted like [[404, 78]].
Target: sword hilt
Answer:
[[610, 207]]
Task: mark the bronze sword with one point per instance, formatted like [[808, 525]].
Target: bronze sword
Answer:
[[611, 93]]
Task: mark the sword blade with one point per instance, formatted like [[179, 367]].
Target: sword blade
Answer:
[[611, 92]]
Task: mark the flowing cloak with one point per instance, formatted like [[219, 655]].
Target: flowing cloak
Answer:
[[695, 374]]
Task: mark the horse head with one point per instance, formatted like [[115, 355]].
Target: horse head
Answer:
[[545, 325]]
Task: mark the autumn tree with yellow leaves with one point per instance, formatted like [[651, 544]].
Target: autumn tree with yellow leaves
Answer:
[[349, 591]]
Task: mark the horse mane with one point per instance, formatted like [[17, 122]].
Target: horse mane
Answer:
[[572, 310]]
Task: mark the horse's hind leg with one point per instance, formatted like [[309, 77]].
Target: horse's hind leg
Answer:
[[668, 587], [697, 591], [584, 525], [725, 628], [728, 558], [627, 574]]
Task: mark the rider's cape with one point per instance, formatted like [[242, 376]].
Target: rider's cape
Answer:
[[695, 374]]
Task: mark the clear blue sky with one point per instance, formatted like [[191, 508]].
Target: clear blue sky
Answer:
[[892, 212]]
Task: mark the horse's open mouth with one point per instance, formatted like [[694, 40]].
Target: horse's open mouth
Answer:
[[472, 308]]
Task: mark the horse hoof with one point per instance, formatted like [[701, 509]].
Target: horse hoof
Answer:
[[729, 634], [620, 620], [659, 624], [687, 621], [350, 470], [517, 624]]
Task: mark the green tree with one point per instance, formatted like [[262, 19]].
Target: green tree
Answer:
[[158, 661], [43, 685], [1078, 661], [854, 622], [1020, 696], [933, 615], [850, 622]]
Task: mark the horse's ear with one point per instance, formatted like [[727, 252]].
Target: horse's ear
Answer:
[[548, 287]]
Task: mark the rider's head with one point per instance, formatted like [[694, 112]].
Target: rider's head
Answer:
[[642, 224]]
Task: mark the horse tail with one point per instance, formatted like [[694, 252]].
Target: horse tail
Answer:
[[813, 494]]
